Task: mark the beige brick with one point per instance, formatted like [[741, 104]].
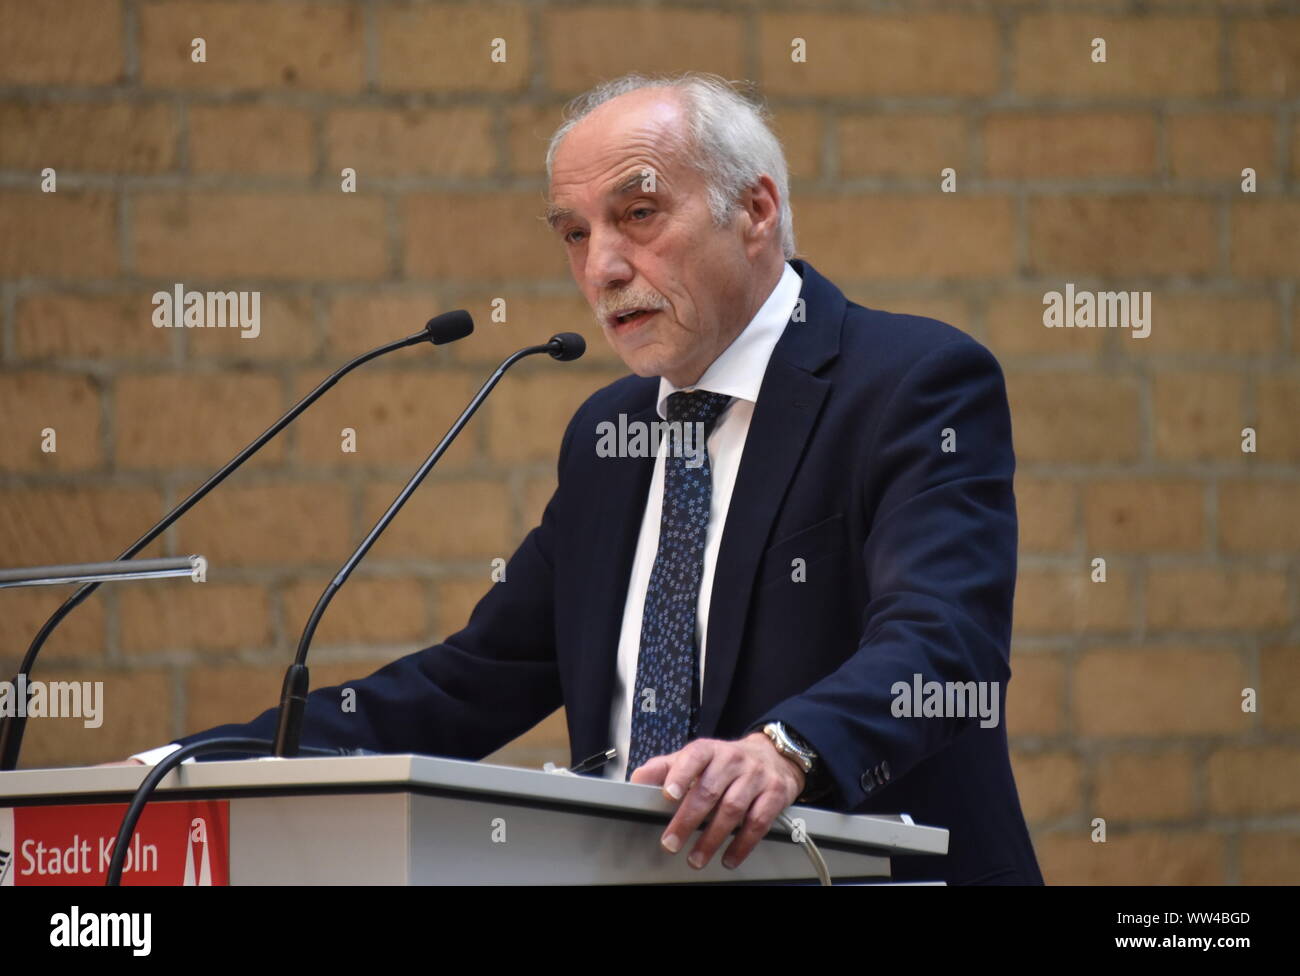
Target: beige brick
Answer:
[[1069, 145], [1146, 57], [584, 45], [48, 43], [64, 525], [445, 520], [24, 610], [410, 142], [529, 129], [1279, 691], [135, 715], [398, 417], [1143, 858], [447, 47], [1198, 416], [480, 235], [116, 137], [253, 46], [1150, 691], [363, 611], [527, 418], [1144, 516], [217, 696], [1014, 321], [869, 54], [1219, 145], [1046, 510], [188, 420], [800, 133], [266, 140], [263, 235], [456, 599], [1210, 325], [1036, 694], [1159, 786], [285, 332], [922, 236], [275, 523], [1216, 599], [31, 403], [1270, 858], [1121, 234], [1264, 53], [530, 320], [205, 616], [1073, 416], [359, 321], [901, 145], [1053, 601], [1263, 239], [1259, 516], [546, 741], [104, 328], [64, 234], [1258, 780], [1277, 403], [1049, 785]]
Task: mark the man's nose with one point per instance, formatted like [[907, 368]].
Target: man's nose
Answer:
[[608, 263]]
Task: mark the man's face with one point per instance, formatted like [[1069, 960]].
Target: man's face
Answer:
[[669, 288]]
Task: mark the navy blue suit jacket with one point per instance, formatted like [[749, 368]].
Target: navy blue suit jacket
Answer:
[[910, 565]]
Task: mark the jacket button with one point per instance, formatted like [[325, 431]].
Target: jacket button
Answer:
[[866, 782], [884, 770]]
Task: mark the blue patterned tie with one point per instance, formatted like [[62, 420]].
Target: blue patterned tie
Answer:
[[666, 699]]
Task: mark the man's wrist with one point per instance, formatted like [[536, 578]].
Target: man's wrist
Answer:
[[801, 778]]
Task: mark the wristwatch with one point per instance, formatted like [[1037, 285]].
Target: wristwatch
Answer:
[[791, 746]]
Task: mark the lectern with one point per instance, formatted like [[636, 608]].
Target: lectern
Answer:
[[398, 820]]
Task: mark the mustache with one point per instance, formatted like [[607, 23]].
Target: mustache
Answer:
[[611, 302]]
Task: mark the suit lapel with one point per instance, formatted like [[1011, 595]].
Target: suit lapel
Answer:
[[789, 402]]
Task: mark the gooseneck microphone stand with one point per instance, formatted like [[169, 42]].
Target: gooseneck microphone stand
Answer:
[[565, 347], [447, 327]]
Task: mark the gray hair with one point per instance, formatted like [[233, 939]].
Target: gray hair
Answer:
[[732, 144]]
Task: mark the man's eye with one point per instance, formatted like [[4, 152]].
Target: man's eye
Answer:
[[573, 237], [640, 210]]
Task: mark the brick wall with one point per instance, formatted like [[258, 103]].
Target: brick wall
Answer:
[[1126, 703]]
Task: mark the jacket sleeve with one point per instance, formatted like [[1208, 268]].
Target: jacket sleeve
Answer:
[[940, 561], [464, 698]]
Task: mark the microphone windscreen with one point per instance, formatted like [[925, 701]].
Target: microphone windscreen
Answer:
[[449, 326], [567, 346]]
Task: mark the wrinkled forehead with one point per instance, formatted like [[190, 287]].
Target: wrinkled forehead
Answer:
[[627, 137]]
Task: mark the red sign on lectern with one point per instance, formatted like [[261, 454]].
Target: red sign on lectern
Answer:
[[185, 842]]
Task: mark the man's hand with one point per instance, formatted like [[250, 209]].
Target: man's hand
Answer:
[[742, 784]]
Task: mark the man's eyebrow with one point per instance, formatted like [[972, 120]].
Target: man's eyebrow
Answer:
[[555, 215], [634, 181]]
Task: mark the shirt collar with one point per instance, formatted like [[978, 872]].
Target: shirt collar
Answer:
[[738, 370]]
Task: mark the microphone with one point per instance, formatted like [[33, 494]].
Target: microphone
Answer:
[[566, 347], [439, 330]]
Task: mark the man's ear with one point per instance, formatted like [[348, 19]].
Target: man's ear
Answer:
[[762, 205]]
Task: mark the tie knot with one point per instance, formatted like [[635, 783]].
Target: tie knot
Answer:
[[700, 406]]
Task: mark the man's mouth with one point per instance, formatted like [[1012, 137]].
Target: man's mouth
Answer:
[[630, 318]]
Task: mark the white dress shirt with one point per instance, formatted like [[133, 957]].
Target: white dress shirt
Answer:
[[738, 373]]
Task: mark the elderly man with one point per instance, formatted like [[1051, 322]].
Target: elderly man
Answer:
[[749, 625]]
